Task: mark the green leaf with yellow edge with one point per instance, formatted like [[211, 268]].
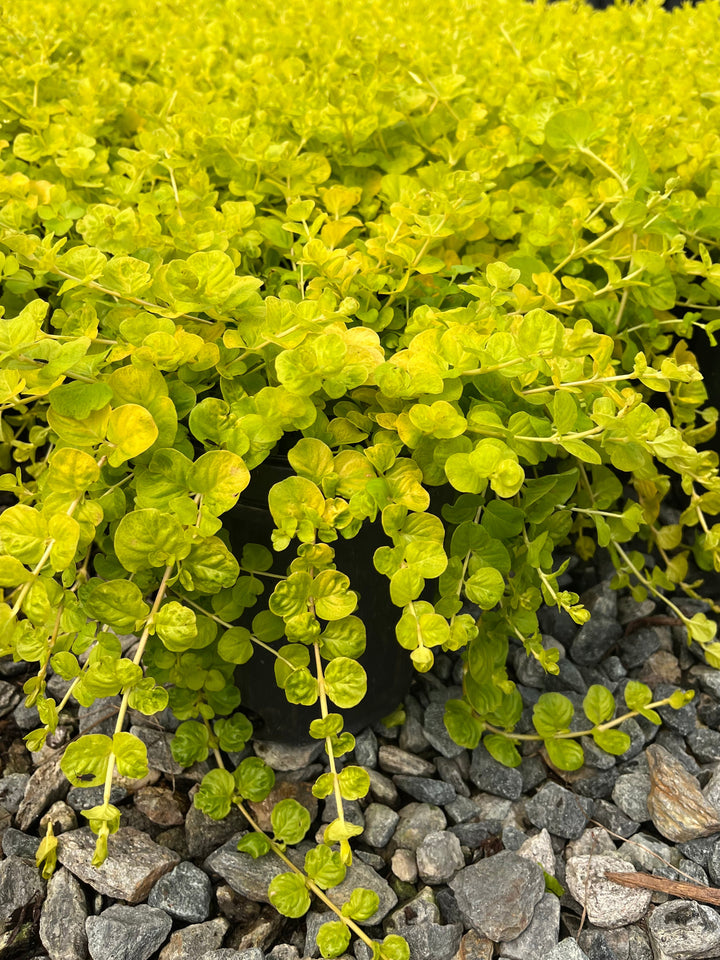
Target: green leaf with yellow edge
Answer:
[[131, 431], [394, 947], [176, 625], [324, 866], [502, 749], [463, 727], [191, 743], [362, 904], [118, 603], [333, 598], [599, 704], [485, 587], [72, 471], [85, 760], [130, 755], [345, 682], [290, 821], [254, 779], [23, 533], [354, 782], [220, 476], [552, 714], [333, 938], [289, 895], [235, 645], [150, 538], [616, 742], [256, 844]]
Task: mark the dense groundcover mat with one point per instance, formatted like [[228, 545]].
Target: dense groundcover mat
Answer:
[[456, 246]]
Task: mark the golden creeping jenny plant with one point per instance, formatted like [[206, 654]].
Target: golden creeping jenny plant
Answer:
[[460, 244]]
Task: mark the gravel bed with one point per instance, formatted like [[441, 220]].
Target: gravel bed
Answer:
[[456, 846]]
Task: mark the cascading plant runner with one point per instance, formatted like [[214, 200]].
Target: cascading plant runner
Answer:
[[447, 250]]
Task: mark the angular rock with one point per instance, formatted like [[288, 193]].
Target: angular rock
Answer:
[[705, 744], [492, 777], [127, 933], [713, 864], [404, 865], [630, 794], [227, 953], [539, 849], [567, 949], [380, 823], [612, 818], [45, 786], [196, 940], [436, 732], [204, 834], [461, 810], [439, 857], [184, 893], [263, 931], [627, 943], [20, 883], [683, 929], [559, 811], [450, 772], [12, 790], [62, 817], [100, 717], [418, 921], [594, 840], [366, 749], [417, 820], [160, 806], [282, 951], [361, 875], [594, 639], [425, 790], [15, 843], [647, 853], [677, 807], [412, 736], [284, 790], [382, 788], [352, 811], [682, 721], [607, 904], [699, 850], [498, 895], [159, 755], [283, 756], [83, 798], [394, 760], [63, 916], [540, 937], [474, 946], [9, 697], [246, 876], [133, 865]]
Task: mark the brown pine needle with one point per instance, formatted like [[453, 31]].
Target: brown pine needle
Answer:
[[676, 888]]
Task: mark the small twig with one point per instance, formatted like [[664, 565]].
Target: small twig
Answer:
[[676, 888]]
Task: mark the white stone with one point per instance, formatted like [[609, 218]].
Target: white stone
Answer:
[[608, 904], [539, 848]]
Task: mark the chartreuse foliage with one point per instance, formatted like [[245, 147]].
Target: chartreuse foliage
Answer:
[[445, 244]]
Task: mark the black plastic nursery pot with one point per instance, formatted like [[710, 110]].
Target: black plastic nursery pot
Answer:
[[388, 666]]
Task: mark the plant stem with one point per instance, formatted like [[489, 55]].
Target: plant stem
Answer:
[[159, 596]]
